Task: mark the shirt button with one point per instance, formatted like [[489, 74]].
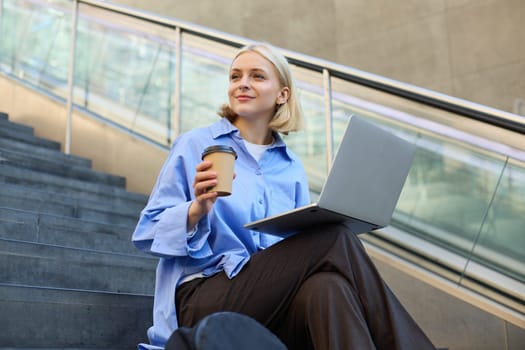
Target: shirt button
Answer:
[[260, 201], [258, 172]]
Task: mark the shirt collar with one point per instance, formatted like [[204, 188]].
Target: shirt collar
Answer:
[[224, 127]]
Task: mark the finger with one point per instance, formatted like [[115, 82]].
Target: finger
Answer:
[[204, 186], [206, 200], [211, 195], [204, 176], [204, 165]]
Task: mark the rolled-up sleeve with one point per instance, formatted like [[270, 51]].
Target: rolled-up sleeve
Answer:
[[169, 233], [162, 226], [172, 239]]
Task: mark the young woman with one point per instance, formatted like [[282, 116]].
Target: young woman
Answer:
[[314, 290]]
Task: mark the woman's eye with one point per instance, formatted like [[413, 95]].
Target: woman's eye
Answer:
[[259, 76], [234, 77]]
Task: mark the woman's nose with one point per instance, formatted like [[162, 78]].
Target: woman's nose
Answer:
[[244, 83]]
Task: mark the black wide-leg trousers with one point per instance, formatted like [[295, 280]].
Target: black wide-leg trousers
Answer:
[[318, 289]]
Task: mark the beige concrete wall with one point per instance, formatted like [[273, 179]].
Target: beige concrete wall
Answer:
[[471, 49], [111, 150]]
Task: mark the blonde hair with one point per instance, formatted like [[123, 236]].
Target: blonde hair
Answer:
[[289, 115]]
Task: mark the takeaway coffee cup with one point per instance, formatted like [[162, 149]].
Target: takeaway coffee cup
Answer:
[[222, 159]]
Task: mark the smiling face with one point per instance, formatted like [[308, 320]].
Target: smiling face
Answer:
[[255, 89]]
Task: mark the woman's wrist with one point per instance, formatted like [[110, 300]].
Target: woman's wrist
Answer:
[[194, 216]]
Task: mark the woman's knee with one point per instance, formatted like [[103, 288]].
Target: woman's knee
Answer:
[[319, 289]]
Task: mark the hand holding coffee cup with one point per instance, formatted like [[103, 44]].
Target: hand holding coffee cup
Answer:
[[223, 159]]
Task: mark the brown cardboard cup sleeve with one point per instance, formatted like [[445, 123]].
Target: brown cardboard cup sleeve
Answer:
[[222, 158]]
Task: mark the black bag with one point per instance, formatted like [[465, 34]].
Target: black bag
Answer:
[[224, 331]]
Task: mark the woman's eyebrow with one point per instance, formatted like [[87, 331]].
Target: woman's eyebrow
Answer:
[[256, 69]]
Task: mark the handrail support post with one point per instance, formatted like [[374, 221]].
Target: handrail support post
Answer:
[[70, 79]]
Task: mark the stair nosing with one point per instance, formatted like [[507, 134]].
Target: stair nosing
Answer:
[[66, 217], [74, 184]]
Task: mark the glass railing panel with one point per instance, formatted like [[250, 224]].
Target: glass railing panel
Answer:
[[13, 26], [498, 258], [455, 185], [450, 187], [36, 38], [501, 243], [204, 80], [310, 144], [125, 71], [409, 111], [7, 27]]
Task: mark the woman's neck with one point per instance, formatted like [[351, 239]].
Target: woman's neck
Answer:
[[256, 132]]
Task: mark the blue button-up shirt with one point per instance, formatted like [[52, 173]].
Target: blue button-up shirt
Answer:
[[277, 182]]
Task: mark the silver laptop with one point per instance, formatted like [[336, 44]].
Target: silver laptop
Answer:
[[362, 187]]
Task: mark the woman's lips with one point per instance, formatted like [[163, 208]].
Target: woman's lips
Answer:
[[243, 98]]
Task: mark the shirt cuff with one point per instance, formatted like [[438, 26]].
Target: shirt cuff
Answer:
[[192, 232], [171, 233]]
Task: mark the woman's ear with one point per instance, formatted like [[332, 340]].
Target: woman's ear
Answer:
[[284, 94]]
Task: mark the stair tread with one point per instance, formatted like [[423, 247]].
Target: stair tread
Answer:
[[24, 137], [86, 319], [67, 232], [39, 264], [16, 175], [6, 124], [23, 198], [58, 167], [20, 146], [51, 219]]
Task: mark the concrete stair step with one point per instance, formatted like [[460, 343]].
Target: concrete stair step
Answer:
[[43, 265], [7, 142], [58, 166], [21, 197], [22, 136], [8, 125], [67, 210], [50, 318], [42, 221], [43, 152], [64, 231], [10, 174], [133, 200]]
